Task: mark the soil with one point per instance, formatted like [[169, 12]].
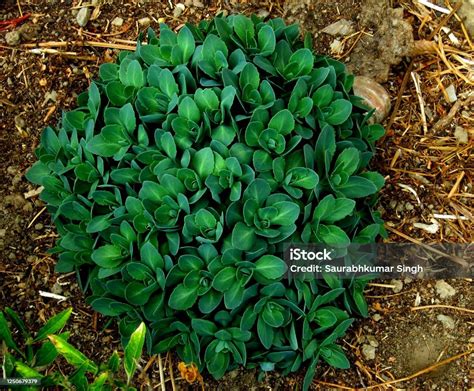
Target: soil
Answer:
[[36, 88]]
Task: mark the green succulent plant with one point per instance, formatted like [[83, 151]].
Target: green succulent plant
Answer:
[[186, 168]]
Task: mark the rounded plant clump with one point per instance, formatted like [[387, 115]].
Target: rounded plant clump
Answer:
[[184, 171]]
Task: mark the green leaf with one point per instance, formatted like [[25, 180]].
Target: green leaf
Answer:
[[5, 334], [224, 279], [186, 43], [325, 317], [206, 99], [108, 256], [99, 145], [270, 267], [72, 355], [334, 356], [37, 173], [340, 110], [188, 109], [325, 149], [53, 325], [203, 162], [283, 122], [98, 224], [133, 351], [182, 297], [265, 333], [243, 237], [134, 76], [357, 187], [288, 213], [332, 235], [266, 40], [249, 77], [203, 327], [167, 83]]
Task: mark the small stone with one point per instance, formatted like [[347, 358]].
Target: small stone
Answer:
[[461, 135], [374, 95], [368, 351], [447, 321], [12, 38], [471, 340], [397, 285], [409, 206], [198, 4], [188, 3], [83, 16], [444, 290], [178, 10], [117, 22], [263, 13], [451, 93], [39, 226], [376, 317], [372, 341], [144, 21], [342, 27], [19, 122], [3, 232], [336, 47]]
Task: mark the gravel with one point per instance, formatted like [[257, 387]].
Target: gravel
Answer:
[[83, 16], [12, 38], [368, 351], [444, 290], [447, 321]]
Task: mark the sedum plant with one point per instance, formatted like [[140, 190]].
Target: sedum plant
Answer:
[[186, 168], [39, 353]]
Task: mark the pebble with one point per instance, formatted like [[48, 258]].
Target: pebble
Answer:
[[83, 16], [178, 10], [374, 95], [444, 290], [117, 22], [368, 351], [409, 206], [144, 21], [3, 232], [377, 317], [461, 135], [39, 226], [263, 13], [198, 4], [372, 341], [447, 321], [342, 27], [397, 285], [12, 38]]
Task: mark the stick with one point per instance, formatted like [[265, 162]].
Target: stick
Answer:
[[446, 120], [423, 371], [454, 258], [36, 216], [53, 44], [456, 185], [416, 80], [442, 306], [162, 376], [52, 295]]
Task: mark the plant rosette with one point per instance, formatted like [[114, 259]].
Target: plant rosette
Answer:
[[185, 168]]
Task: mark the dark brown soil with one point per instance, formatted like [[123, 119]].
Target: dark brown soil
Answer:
[[36, 88]]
